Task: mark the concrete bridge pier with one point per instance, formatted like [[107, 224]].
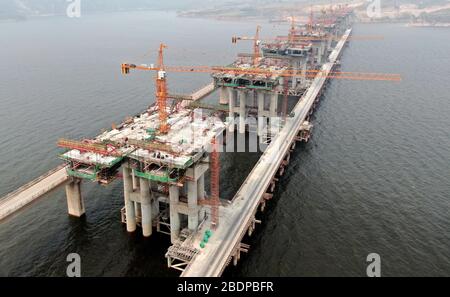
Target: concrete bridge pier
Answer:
[[261, 113], [319, 54], [273, 105], [303, 71], [130, 210], [174, 197], [242, 110], [231, 104], [192, 193], [196, 191], [75, 203], [223, 95], [295, 67], [329, 43], [135, 180], [201, 187], [146, 207]]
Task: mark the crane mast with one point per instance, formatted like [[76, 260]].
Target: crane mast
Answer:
[[161, 91], [256, 44]]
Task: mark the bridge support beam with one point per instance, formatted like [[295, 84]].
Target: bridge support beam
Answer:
[[75, 203]]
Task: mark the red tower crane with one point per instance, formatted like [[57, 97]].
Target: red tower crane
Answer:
[[215, 181], [256, 44], [161, 91], [161, 87]]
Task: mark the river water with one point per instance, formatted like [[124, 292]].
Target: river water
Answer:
[[373, 179]]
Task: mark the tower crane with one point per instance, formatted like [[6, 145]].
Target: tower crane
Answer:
[[215, 181], [292, 30], [256, 44], [263, 72], [161, 91], [310, 25], [161, 78], [161, 88]]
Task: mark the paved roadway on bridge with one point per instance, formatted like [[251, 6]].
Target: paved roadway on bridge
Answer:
[[235, 218], [32, 191]]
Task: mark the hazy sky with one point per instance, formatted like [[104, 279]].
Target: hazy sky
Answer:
[[9, 8]]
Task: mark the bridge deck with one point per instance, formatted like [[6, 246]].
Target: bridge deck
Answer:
[[235, 218], [32, 191], [202, 92]]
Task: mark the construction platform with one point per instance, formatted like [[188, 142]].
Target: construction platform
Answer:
[[189, 137]]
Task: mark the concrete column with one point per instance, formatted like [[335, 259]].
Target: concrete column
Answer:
[[201, 187], [146, 208], [231, 104], [223, 95], [304, 71], [273, 105], [318, 55], [242, 102], [137, 209], [322, 51], [174, 196], [260, 113], [155, 203], [135, 180], [75, 203], [136, 185], [129, 205], [294, 77], [192, 205], [273, 119]]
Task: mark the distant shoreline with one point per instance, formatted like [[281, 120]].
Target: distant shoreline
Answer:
[[21, 18], [426, 25]]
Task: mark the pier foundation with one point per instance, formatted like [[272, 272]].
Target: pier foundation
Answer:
[[192, 205], [75, 203], [130, 211], [261, 113], [196, 191], [174, 196], [146, 207], [135, 180], [273, 105], [223, 95], [231, 104], [242, 110]]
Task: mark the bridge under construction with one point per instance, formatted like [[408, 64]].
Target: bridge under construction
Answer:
[[167, 155]]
